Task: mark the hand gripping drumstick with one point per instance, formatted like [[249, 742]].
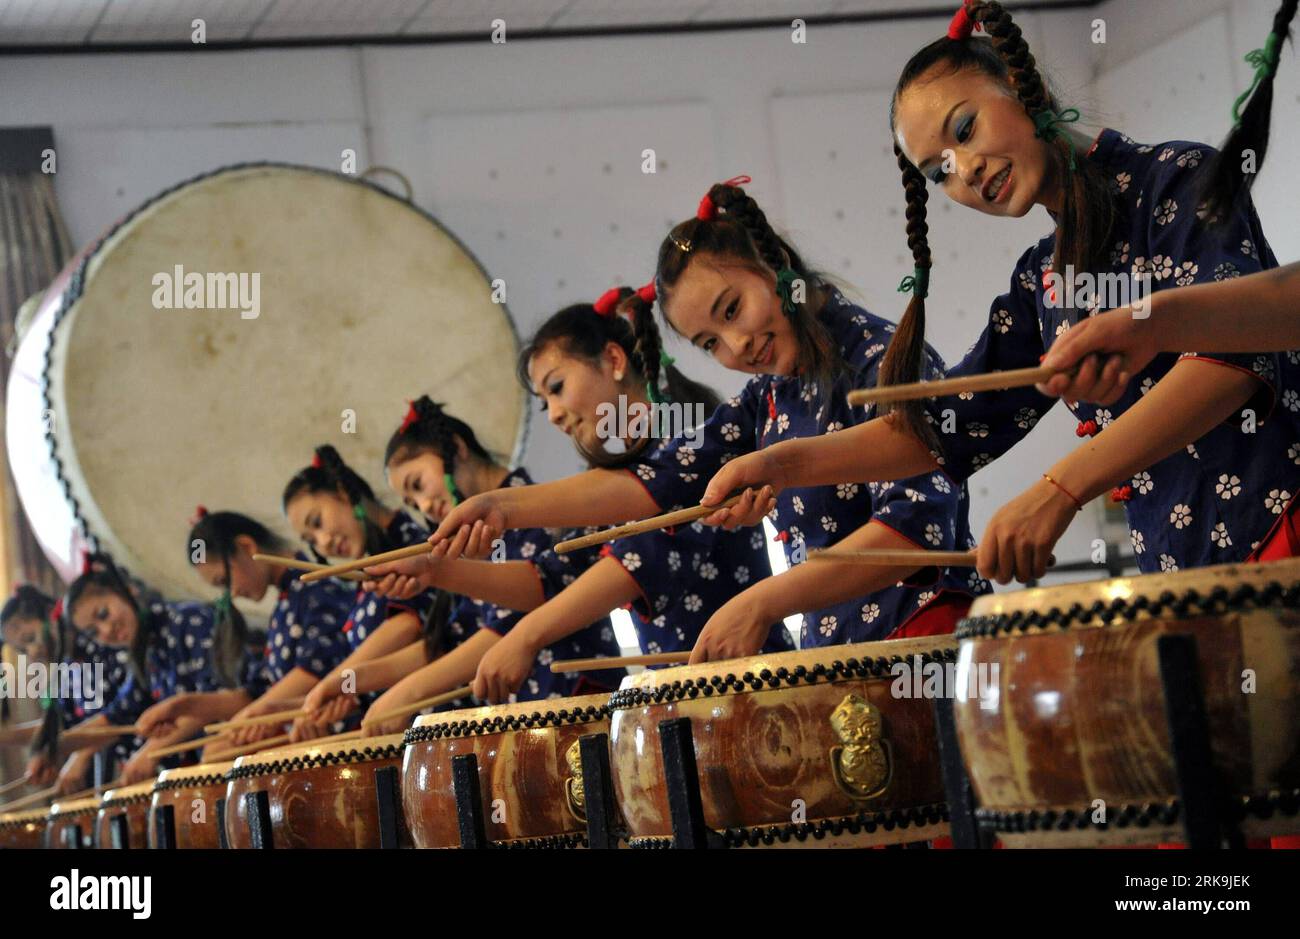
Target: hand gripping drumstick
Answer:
[[991, 381], [384, 557], [298, 565], [654, 523], [595, 665], [415, 706]]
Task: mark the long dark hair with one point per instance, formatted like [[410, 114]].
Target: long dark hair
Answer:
[[103, 576], [328, 473], [216, 532], [734, 228], [1226, 180], [625, 317], [27, 602], [428, 428], [1087, 210]]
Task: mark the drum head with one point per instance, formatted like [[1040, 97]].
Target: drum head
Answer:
[[363, 302]]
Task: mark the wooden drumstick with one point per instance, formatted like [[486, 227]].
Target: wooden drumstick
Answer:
[[654, 523], [417, 706], [109, 730], [595, 665], [194, 743], [901, 558], [11, 786], [296, 564], [383, 557], [29, 799], [246, 749], [93, 790], [991, 381], [279, 717]]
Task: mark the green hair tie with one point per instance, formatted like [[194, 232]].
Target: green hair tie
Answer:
[[223, 604], [359, 511], [451, 488], [652, 393], [785, 279], [665, 359], [1047, 123], [1265, 63], [46, 630], [917, 282]]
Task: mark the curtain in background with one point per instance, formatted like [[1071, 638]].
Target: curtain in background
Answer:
[[34, 246]]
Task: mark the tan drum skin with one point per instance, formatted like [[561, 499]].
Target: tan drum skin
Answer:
[[350, 277], [320, 795], [1072, 748], [528, 766], [798, 749]]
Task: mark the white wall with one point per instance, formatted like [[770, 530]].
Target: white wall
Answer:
[[531, 151]]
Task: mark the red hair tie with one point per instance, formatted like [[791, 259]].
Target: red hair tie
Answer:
[[85, 562], [200, 513], [411, 418], [962, 25], [648, 292], [707, 209], [56, 612], [608, 300], [316, 461]]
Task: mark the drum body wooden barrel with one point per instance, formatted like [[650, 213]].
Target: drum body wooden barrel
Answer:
[[822, 747], [72, 824], [130, 802], [193, 793], [24, 829], [320, 796], [1071, 747], [528, 767]]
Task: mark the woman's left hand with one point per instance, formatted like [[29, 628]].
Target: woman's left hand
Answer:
[[140, 767], [1018, 542], [737, 629], [503, 669]]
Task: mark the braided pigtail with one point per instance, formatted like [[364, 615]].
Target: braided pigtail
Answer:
[[1088, 208], [1227, 178]]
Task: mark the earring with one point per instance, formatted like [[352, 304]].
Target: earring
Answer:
[[618, 376]]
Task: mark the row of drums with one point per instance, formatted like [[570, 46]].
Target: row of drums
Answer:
[[1060, 700]]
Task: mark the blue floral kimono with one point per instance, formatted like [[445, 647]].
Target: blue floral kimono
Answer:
[[1215, 500]]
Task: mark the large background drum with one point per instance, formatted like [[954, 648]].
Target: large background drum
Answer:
[[122, 416]]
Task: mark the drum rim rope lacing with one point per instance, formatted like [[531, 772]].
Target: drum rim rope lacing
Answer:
[[504, 723], [24, 817], [77, 284], [878, 668], [1014, 821], [903, 817], [335, 758], [120, 801], [192, 782], [1189, 604]]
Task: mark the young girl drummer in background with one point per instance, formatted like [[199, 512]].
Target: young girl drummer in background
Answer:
[[304, 639], [33, 624], [586, 363], [1203, 475], [1238, 314], [741, 293], [174, 647], [434, 460]]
